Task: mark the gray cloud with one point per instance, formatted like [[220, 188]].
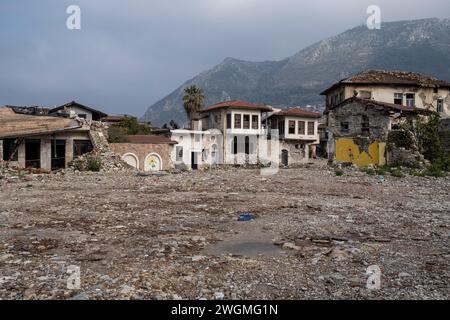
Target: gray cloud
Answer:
[[131, 53]]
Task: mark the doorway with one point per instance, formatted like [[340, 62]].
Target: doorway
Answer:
[[285, 158], [194, 160], [33, 153], [58, 154]]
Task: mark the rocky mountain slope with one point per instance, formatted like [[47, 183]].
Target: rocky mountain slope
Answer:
[[419, 45]]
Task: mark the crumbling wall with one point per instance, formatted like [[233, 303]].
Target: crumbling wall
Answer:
[[110, 161], [298, 152], [403, 150]]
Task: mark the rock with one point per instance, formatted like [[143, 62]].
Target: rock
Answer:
[[404, 275], [198, 258], [5, 257], [291, 246], [80, 297], [127, 290], [219, 295]]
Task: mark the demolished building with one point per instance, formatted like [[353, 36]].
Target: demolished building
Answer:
[[45, 142]]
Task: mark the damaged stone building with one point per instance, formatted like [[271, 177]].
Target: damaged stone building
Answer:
[[364, 112], [41, 141], [396, 87], [367, 132]]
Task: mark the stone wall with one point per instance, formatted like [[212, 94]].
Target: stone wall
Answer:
[[141, 151], [298, 152]]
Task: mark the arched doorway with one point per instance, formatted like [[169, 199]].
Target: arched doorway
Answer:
[[131, 159], [153, 162], [285, 157]]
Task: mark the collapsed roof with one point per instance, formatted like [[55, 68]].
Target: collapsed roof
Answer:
[[388, 77], [384, 105], [13, 124]]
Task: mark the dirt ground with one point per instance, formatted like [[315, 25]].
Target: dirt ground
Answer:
[[176, 236]]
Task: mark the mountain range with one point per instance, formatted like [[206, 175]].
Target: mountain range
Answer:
[[419, 45]]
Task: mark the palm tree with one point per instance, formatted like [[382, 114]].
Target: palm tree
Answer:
[[193, 100]]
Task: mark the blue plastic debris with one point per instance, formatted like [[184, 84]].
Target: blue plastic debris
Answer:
[[246, 217]]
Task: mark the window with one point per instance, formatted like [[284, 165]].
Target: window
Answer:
[[246, 121], [179, 151], [81, 147], [345, 127], [237, 121], [365, 94], [365, 124], [82, 116], [398, 98], [410, 99], [301, 127], [229, 121], [197, 137], [440, 105], [235, 145], [255, 122], [341, 97], [10, 150], [311, 128], [291, 127]]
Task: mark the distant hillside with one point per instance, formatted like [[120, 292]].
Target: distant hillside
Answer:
[[420, 46]]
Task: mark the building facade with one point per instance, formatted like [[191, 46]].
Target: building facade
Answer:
[[298, 131], [146, 152], [360, 130], [42, 142], [229, 133], [394, 87]]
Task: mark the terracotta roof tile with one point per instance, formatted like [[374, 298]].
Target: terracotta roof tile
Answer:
[[237, 104], [299, 112], [391, 77]]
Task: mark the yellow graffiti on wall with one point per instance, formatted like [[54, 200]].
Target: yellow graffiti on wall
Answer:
[[348, 151]]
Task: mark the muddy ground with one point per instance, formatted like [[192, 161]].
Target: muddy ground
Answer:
[[177, 236]]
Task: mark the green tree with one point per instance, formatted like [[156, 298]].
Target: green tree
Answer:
[[193, 100]]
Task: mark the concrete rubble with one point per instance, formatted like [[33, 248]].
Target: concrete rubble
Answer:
[[176, 236]]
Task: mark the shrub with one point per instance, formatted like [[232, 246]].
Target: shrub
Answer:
[[434, 171], [397, 173], [94, 164], [339, 172]]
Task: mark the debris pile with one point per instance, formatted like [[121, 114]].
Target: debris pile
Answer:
[[177, 236], [101, 159]]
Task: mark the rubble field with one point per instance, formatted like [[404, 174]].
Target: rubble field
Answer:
[[177, 236]]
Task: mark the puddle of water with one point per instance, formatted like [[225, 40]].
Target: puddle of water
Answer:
[[241, 248], [250, 242]]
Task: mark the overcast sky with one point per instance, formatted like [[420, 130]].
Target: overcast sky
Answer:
[[131, 53]]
